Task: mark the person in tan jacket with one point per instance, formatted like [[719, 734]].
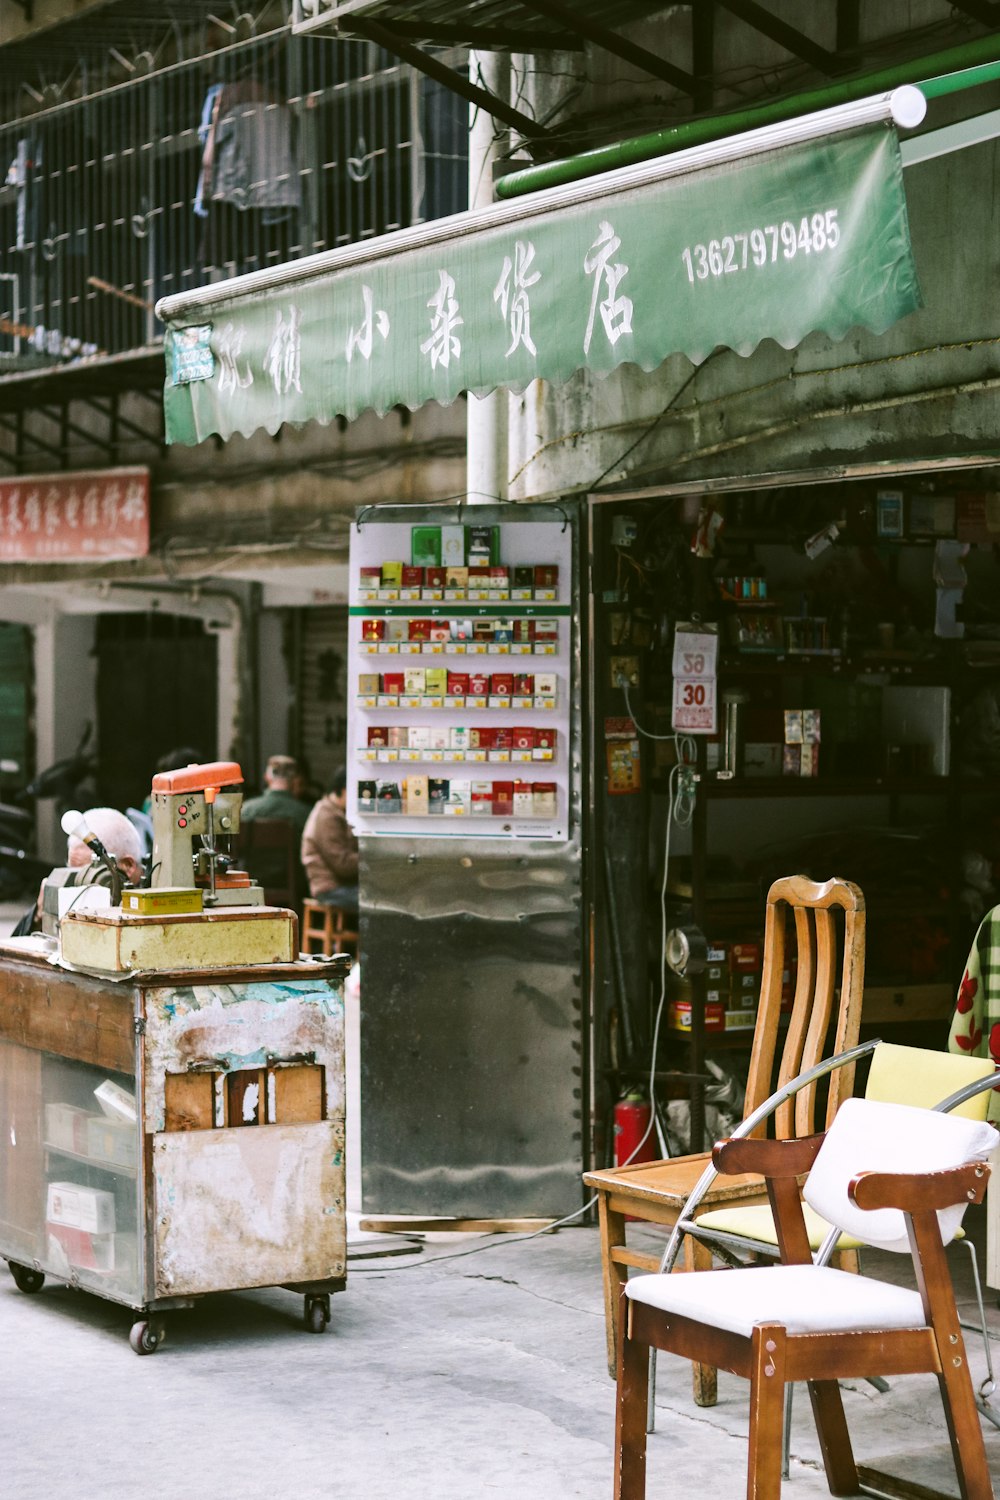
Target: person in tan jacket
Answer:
[[330, 850]]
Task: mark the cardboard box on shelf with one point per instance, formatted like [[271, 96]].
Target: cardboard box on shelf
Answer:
[[111, 1140], [80, 1250], [116, 1102], [78, 1207], [66, 1127], [679, 1016]]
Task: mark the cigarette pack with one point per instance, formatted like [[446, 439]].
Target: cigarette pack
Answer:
[[411, 577], [503, 799], [811, 726], [440, 630], [499, 577], [545, 684], [419, 737], [457, 804], [524, 800], [479, 684], [458, 738], [481, 738], [388, 797], [378, 735], [440, 737], [453, 546], [369, 582], [435, 681], [434, 577], [456, 577], [420, 630], [501, 684], [397, 629], [393, 683], [366, 796], [437, 794], [523, 630], [425, 546], [481, 803], [392, 575], [503, 631], [545, 630], [461, 630], [545, 738], [503, 738], [479, 577], [399, 736], [372, 630], [524, 684], [793, 726], [415, 793], [544, 799], [546, 576], [368, 683], [809, 760], [483, 543], [457, 684], [523, 739], [482, 630]]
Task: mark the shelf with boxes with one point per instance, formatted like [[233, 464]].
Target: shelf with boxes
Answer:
[[461, 661]]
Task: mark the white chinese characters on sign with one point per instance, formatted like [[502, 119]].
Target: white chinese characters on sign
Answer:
[[616, 309], [511, 292], [283, 360], [231, 376], [362, 337], [443, 344]]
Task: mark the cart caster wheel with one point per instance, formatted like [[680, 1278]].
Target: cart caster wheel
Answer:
[[317, 1313], [146, 1338], [26, 1279]]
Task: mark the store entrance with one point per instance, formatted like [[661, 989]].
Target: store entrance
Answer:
[[157, 690], [857, 665]]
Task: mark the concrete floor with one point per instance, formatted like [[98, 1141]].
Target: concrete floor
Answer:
[[438, 1377], [443, 1374]]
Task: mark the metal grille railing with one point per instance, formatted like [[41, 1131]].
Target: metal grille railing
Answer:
[[255, 154]]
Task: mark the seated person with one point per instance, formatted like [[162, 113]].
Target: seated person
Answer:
[[119, 837], [279, 799], [330, 850]]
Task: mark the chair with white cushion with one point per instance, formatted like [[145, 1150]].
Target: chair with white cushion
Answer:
[[890, 1175]]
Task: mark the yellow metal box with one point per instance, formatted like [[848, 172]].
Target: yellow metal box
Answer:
[[167, 900], [120, 943]]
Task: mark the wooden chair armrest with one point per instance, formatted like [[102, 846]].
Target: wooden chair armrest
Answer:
[[914, 1191], [787, 1158]]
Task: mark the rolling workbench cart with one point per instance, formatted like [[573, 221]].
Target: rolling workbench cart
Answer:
[[167, 1135]]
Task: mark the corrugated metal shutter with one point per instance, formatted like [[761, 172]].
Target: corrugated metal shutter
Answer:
[[15, 700], [322, 692]]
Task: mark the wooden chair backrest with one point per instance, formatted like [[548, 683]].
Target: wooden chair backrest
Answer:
[[813, 908], [269, 850]]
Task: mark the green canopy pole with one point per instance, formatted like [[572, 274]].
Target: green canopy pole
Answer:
[[953, 70]]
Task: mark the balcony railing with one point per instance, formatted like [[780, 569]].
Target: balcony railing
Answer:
[[242, 158]]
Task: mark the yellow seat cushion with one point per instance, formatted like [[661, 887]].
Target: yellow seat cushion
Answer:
[[756, 1223]]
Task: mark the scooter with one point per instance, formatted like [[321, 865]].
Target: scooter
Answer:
[[20, 867]]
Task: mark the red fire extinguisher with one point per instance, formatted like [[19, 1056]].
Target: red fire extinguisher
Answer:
[[632, 1116]]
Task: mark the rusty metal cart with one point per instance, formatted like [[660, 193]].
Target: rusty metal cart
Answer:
[[168, 1135]]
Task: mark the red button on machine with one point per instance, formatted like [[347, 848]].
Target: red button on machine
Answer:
[[182, 822]]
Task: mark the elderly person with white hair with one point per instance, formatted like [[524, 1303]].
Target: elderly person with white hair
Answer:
[[122, 842]]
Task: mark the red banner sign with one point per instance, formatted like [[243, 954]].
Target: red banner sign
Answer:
[[75, 517]]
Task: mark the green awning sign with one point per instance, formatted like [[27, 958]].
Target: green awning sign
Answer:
[[807, 237]]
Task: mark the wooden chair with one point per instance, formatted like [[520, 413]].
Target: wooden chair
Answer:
[[889, 1174], [269, 849], [327, 929], [656, 1192]]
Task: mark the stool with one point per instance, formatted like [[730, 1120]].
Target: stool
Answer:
[[327, 929]]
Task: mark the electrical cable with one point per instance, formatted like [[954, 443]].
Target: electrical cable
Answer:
[[680, 809]]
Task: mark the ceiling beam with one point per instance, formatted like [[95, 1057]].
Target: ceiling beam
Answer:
[[487, 38], [388, 40], [610, 41], [793, 41]]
